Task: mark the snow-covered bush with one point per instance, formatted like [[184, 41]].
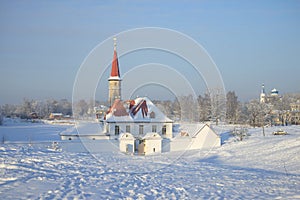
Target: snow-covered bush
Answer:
[[240, 133]]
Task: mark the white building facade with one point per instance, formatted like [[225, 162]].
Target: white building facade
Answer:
[[138, 117]]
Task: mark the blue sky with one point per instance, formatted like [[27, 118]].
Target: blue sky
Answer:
[[43, 43]]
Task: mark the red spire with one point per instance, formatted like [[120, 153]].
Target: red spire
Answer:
[[115, 66], [115, 63]]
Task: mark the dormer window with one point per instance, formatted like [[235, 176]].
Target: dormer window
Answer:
[[152, 115]]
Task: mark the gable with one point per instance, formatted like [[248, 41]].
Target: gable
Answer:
[[118, 109], [144, 110], [139, 110], [204, 129]]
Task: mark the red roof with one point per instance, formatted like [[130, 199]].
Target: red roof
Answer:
[[118, 109], [115, 66]]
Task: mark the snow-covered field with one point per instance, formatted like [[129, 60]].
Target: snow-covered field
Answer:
[[257, 168]]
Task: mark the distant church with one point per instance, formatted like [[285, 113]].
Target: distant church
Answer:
[[269, 98]]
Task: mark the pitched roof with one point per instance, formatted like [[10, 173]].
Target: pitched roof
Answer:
[[143, 108], [204, 129], [152, 136], [140, 110], [118, 109], [142, 105], [115, 66], [126, 136]]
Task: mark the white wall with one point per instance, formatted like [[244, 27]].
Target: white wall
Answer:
[[152, 144], [181, 144], [206, 139], [126, 144], [134, 128], [84, 137]]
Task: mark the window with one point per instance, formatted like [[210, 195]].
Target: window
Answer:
[[141, 129], [154, 128], [127, 128], [164, 130], [117, 130], [152, 115]]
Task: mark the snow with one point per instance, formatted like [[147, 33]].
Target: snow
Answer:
[[159, 116], [138, 117], [256, 168]]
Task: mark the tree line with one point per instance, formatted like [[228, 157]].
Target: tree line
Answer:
[[41, 108], [213, 106]]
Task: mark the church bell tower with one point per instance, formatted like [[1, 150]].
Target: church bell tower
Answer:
[[262, 98], [114, 81]]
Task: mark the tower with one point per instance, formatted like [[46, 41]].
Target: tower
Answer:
[[262, 94], [114, 81]]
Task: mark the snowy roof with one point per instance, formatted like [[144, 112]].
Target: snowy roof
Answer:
[[56, 114], [139, 110], [152, 136], [152, 113], [205, 128], [126, 136], [114, 78], [274, 91], [118, 112]]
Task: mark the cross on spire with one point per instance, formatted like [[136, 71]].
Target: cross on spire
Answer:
[[115, 63], [115, 43]]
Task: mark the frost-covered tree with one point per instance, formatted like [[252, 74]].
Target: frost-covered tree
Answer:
[[258, 113], [42, 108], [218, 105], [204, 107], [253, 110], [232, 107], [243, 114], [80, 108], [65, 107], [212, 106], [189, 108], [176, 109], [8, 110]]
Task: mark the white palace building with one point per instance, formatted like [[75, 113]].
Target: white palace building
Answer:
[[138, 126]]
